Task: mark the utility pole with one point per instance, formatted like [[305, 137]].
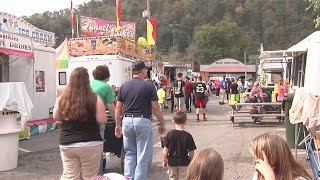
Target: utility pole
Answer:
[[245, 65], [148, 8]]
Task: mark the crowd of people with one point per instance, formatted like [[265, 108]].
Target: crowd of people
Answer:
[[81, 112], [183, 92], [195, 92]]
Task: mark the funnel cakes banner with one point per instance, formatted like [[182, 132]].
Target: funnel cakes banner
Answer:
[[99, 27]]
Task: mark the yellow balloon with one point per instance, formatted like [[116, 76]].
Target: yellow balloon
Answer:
[[142, 42]]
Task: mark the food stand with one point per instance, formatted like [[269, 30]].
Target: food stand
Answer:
[[27, 56]]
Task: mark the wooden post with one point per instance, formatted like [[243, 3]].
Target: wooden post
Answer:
[[245, 65]]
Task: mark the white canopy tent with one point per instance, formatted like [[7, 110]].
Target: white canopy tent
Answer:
[[310, 45]]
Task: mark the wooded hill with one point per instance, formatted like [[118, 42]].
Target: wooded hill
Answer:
[[202, 30]]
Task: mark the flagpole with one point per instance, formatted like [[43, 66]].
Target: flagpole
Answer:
[[148, 9], [77, 26], [71, 19], [118, 14]]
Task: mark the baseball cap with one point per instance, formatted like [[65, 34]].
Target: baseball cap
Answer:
[[138, 65]]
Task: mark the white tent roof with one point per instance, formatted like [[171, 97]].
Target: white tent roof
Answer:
[[304, 44]]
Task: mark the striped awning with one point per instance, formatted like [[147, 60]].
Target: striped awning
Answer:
[[62, 55]]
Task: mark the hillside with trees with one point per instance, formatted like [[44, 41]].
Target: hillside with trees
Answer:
[[202, 30]]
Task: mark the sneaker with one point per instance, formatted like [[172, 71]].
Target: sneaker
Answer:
[[205, 119], [117, 154], [258, 122], [197, 120]]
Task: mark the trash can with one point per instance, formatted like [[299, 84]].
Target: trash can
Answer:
[[268, 97], [268, 92], [9, 137], [290, 128]]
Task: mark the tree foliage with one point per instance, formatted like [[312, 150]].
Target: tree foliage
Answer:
[[315, 5], [225, 39], [278, 24]]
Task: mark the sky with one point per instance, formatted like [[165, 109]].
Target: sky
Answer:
[[29, 7]]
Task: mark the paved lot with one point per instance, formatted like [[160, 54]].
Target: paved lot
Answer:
[[39, 157]]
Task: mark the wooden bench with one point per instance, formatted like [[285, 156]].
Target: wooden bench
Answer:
[[256, 104], [256, 115], [237, 112]]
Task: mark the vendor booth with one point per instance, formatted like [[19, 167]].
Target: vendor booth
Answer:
[[26, 57], [299, 64], [170, 69], [104, 46], [273, 67], [230, 68], [303, 68]]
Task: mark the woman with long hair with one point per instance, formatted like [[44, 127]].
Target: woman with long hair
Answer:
[[79, 112], [206, 165], [274, 160]]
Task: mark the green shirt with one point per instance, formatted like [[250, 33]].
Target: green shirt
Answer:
[[103, 90]]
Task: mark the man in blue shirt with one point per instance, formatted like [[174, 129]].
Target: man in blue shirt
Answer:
[[136, 100]]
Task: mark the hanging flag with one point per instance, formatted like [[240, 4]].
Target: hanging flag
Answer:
[[151, 31], [118, 14], [71, 18]]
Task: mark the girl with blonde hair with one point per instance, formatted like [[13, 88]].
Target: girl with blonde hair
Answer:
[[206, 165], [274, 160]]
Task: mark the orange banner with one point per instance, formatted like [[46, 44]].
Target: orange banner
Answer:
[[92, 45], [132, 49], [107, 45]]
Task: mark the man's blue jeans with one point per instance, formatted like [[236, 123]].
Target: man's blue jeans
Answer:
[[138, 146]]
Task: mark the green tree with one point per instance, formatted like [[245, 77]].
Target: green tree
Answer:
[[225, 39], [315, 5]]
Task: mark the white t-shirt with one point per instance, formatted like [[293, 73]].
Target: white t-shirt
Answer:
[[206, 93]]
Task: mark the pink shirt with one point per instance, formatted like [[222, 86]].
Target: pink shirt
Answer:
[[281, 93], [217, 84], [256, 91]]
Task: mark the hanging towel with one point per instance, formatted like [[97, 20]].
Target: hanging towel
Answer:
[[14, 97], [310, 112], [295, 113]]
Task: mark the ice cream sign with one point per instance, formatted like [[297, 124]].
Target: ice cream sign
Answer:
[[16, 25]]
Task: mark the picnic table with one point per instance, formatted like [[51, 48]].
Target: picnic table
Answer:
[[240, 110]]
